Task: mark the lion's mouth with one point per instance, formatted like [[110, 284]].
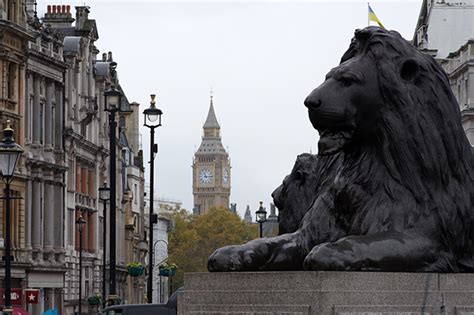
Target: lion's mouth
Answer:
[[332, 141]]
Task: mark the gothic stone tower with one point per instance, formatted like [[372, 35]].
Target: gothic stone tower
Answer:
[[211, 168]]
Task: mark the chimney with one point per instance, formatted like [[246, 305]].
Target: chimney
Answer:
[[109, 57], [82, 15], [104, 57], [58, 16]]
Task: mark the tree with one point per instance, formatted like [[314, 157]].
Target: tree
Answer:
[[194, 238]]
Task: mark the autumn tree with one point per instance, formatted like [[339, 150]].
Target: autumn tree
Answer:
[[194, 237]]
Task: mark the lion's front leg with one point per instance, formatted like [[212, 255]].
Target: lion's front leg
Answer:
[[276, 253], [385, 251]]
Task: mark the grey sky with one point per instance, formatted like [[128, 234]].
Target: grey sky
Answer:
[[261, 59]]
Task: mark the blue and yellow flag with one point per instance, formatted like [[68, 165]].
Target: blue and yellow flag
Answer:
[[373, 17]]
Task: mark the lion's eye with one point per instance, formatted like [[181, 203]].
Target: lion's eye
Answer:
[[346, 82], [299, 176]]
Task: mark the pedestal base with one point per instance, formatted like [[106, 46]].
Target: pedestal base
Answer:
[[335, 293]]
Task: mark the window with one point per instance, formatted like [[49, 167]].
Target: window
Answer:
[[101, 239], [42, 122], [71, 228], [11, 81], [84, 180], [135, 194], [14, 219], [88, 234], [92, 192], [29, 117], [78, 177]]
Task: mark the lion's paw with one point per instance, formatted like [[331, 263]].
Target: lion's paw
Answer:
[[232, 258], [326, 257]]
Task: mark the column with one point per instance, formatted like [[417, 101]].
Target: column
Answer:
[[58, 124], [27, 117], [36, 109], [48, 118], [36, 225], [58, 211], [70, 81], [48, 222], [29, 212]]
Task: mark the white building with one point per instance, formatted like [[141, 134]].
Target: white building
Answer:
[[445, 29]]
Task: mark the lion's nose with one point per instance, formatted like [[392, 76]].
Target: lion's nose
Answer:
[[312, 101], [276, 195]]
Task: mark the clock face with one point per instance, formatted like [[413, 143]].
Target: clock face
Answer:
[[225, 176], [205, 176]]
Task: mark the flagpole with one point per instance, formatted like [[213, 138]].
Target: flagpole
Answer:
[[368, 14]]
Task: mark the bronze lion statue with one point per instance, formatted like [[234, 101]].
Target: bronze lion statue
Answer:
[[401, 198], [299, 189]]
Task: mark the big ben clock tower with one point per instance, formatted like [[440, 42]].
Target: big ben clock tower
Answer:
[[211, 168]]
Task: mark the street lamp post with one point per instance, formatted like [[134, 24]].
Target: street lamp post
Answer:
[[104, 196], [152, 120], [80, 222], [261, 217], [112, 105], [10, 151]]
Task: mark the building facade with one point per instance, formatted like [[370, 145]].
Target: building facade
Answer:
[[445, 30], [211, 168], [13, 56], [52, 91], [45, 165]]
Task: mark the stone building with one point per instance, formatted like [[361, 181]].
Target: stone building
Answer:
[[45, 165], [86, 151], [445, 29], [13, 47], [133, 185], [211, 168], [163, 208], [270, 227], [51, 89]]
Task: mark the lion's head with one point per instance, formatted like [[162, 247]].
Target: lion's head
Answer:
[[308, 178], [392, 104], [296, 194]]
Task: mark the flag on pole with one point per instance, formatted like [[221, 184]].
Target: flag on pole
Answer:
[[373, 17]]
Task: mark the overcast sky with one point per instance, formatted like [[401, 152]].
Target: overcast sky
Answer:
[[260, 58]]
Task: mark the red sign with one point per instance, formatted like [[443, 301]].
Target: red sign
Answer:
[[15, 296], [31, 296]]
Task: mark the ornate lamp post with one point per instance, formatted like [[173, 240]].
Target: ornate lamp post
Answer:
[[113, 100], [152, 120], [104, 196], [80, 222], [10, 151], [261, 217]]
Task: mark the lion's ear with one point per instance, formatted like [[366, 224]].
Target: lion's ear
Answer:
[[410, 70]]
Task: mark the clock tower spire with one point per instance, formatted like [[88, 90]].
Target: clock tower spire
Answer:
[[211, 167]]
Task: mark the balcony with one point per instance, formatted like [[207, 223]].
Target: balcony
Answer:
[[85, 201], [45, 51]]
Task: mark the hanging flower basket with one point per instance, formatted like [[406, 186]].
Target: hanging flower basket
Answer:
[[167, 270], [135, 269], [94, 300]]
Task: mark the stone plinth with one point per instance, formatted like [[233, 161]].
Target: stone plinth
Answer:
[[334, 293]]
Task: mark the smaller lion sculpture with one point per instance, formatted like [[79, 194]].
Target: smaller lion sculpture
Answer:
[[398, 189], [299, 189]]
